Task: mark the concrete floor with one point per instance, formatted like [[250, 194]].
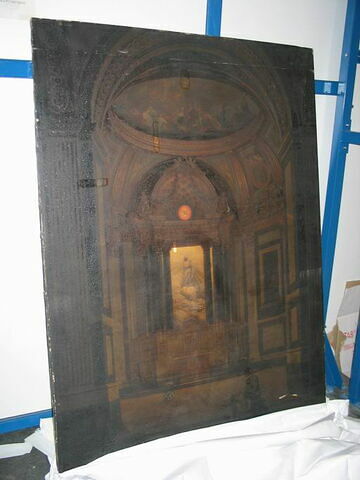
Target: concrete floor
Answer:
[[32, 466]]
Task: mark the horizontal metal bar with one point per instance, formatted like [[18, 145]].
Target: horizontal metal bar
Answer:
[[23, 68], [351, 137], [20, 422], [15, 68], [328, 87]]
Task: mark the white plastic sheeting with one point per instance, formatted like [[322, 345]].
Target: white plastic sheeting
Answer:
[[307, 443]]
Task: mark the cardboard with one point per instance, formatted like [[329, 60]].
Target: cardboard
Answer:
[[343, 335]]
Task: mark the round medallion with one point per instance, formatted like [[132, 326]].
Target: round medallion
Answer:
[[184, 212]]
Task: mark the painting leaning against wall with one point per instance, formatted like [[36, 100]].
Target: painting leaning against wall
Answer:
[[179, 209]]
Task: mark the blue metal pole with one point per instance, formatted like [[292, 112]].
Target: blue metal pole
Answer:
[[332, 374], [213, 18], [339, 150], [354, 385]]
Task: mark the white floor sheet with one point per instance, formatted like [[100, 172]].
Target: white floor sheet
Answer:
[[314, 442]]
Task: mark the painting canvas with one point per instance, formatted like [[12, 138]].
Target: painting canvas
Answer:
[[179, 206]]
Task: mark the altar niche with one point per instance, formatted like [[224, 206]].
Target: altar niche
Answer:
[[178, 237]]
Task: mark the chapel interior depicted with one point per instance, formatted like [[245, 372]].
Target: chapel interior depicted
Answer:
[[197, 233]]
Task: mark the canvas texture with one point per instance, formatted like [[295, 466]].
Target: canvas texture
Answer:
[[179, 204]]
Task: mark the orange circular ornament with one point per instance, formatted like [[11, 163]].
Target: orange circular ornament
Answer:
[[184, 212]]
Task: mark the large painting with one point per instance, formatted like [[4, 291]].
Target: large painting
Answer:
[[180, 228]]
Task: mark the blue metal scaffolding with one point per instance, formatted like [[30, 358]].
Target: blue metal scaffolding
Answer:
[[342, 137]]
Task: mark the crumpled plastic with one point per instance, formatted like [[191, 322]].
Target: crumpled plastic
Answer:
[[304, 443], [42, 439]]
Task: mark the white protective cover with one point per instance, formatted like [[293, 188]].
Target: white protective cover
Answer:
[[314, 442]]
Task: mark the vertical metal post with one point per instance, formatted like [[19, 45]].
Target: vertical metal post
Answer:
[[354, 386], [213, 18], [340, 145]]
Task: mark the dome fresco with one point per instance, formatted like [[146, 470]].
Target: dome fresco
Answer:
[[199, 108]]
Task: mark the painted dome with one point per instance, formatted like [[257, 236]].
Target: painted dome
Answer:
[[185, 108]]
